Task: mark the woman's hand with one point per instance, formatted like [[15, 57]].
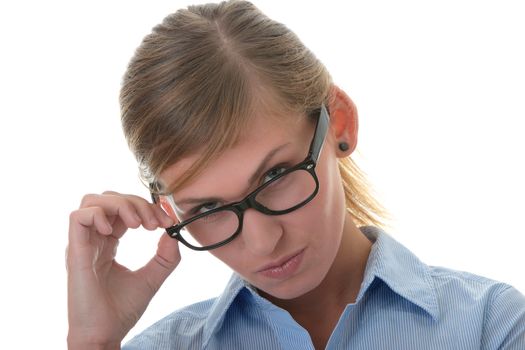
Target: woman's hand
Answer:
[[105, 299]]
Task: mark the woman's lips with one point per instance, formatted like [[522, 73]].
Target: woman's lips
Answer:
[[283, 268]]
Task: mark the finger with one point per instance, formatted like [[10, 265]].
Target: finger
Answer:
[[155, 216], [162, 264], [165, 219], [88, 228], [114, 205], [119, 227], [147, 213], [111, 192], [82, 220], [149, 216]]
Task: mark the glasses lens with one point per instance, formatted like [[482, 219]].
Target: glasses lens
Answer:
[[211, 229], [288, 191]]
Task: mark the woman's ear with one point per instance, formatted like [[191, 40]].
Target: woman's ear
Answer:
[[343, 121]]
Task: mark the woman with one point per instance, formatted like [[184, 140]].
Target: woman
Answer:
[[245, 144]]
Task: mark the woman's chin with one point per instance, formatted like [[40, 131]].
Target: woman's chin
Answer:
[[288, 290]]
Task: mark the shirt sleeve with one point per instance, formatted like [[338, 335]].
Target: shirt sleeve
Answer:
[[504, 326]]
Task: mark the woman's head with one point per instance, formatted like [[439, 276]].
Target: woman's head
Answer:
[[272, 145], [197, 81]]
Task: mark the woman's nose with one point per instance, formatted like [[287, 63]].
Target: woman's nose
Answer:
[[261, 233]]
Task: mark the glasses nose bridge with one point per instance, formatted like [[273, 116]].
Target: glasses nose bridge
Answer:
[[248, 203]]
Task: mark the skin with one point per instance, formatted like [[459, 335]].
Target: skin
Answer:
[[102, 304]]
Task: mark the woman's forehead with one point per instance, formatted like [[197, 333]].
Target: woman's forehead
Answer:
[[263, 135]]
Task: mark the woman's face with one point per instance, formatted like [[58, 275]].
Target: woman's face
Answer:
[[287, 255]]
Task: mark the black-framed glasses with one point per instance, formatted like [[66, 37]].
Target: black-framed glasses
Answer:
[[285, 192]]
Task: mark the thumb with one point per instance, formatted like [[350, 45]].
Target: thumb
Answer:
[[163, 263]]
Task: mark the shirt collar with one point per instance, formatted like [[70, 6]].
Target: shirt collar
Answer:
[[400, 270], [221, 305], [388, 261]]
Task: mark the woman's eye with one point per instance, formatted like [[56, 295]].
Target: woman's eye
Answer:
[[273, 173], [205, 207]]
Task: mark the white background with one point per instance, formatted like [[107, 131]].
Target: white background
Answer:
[[440, 87]]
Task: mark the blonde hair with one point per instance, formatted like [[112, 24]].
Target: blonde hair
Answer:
[[197, 78]]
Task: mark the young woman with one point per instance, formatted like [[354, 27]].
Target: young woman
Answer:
[[245, 144]]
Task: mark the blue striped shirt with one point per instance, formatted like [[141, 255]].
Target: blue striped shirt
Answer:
[[402, 304]]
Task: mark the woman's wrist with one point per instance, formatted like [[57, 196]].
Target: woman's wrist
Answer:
[[77, 344]]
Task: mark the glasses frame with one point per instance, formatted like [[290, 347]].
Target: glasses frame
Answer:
[[308, 164]]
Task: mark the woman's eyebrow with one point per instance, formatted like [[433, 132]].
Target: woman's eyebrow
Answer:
[[262, 166]]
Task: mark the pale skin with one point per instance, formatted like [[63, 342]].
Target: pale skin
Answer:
[[105, 299]]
